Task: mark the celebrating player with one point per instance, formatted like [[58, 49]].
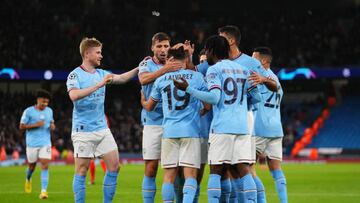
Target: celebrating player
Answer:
[[38, 121], [268, 129], [90, 134]]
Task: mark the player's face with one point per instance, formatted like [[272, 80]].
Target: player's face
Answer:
[[42, 103], [202, 58], [94, 56], [160, 50]]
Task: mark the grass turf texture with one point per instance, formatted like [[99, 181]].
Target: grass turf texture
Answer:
[[306, 183]]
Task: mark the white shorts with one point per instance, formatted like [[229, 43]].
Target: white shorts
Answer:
[[93, 144], [271, 147], [180, 152], [229, 149], [35, 153], [204, 148], [151, 142], [253, 149]]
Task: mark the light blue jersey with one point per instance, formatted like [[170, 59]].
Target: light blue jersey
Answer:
[[181, 110], [230, 113], [267, 112], [37, 137], [154, 117], [88, 112]]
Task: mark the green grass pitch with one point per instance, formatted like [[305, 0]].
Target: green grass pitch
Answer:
[[308, 183]]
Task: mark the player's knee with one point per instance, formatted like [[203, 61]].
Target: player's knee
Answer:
[[274, 164], [243, 169], [151, 168], [114, 167]]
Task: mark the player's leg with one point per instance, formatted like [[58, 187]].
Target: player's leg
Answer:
[[260, 146], [151, 155], [108, 150], [189, 159], [204, 158], [219, 155], [274, 158], [81, 167], [92, 172], [225, 186], [32, 155], [179, 185], [169, 161], [84, 151], [242, 157], [44, 158]]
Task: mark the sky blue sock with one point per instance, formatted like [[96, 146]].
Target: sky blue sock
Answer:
[[44, 179], [225, 190], [239, 184], [29, 173], [280, 182], [168, 192], [250, 192], [148, 189], [233, 193], [178, 186], [197, 194], [214, 188], [79, 188], [261, 198], [109, 186], [189, 190]]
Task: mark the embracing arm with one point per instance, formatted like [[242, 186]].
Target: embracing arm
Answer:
[[125, 77]]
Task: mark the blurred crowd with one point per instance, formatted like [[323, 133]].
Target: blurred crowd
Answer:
[[46, 34]]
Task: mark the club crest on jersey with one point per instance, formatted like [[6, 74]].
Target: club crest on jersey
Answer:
[[42, 116]]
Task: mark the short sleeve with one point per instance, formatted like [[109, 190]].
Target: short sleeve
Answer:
[[25, 117], [202, 67], [213, 79], [155, 92], [202, 85], [143, 67], [72, 81]]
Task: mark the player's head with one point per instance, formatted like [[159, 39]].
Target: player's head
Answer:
[[202, 56], [264, 55], [231, 33], [177, 54], [42, 99], [216, 48], [160, 44], [90, 51]]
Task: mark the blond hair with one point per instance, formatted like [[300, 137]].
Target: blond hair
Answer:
[[87, 43]]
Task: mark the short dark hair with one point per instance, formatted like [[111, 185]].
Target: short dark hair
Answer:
[[231, 30], [177, 53], [160, 36], [264, 51], [43, 94], [202, 52], [218, 45]]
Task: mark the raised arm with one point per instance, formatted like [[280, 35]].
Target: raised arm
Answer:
[[125, 77]]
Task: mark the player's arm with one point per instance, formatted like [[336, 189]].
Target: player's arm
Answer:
[[149, 104], [125, 77], [211, 97], [52, 126], [76, 94], [24, 126], [255, 79], [149, 77]]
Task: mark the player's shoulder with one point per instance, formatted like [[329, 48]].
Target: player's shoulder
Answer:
[[249, 61], [147, 62], [49, 109], [29, 109], [74, 73]]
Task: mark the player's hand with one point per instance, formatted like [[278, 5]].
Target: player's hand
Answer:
[[171, 65], [256, 79], [181, 85], [188, 47], [39, 124], [203, 112], [52, 126], [178, 45]]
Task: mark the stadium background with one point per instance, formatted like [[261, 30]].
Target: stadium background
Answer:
[[316, 47]]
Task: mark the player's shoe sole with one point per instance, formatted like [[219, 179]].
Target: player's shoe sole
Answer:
[[28, 186], [43, 195]]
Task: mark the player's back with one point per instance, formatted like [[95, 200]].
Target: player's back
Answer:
[[155, 116], [267, 111], [181, 110], [230, 114]]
